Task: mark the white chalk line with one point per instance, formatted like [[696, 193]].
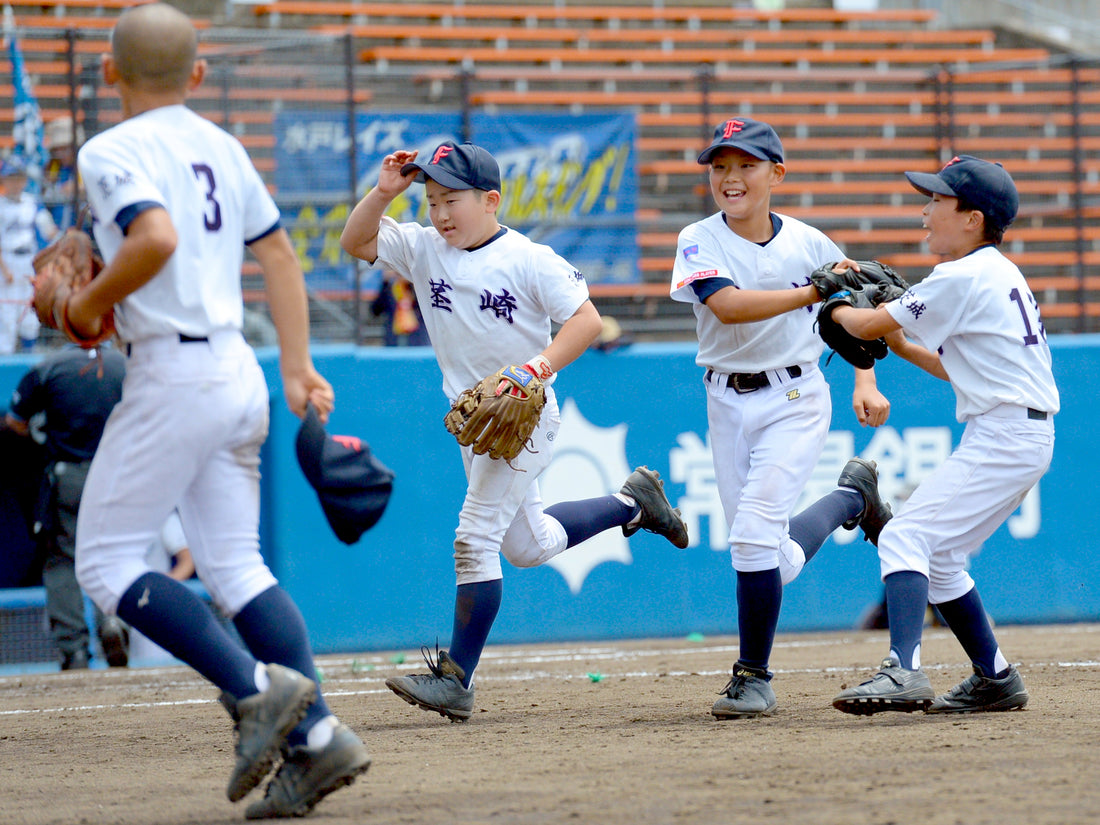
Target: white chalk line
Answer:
[[522, 658]]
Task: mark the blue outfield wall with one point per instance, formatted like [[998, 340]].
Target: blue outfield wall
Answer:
[[644, 405]]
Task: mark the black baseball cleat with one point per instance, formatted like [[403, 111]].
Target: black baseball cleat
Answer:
[[658, 515], [861, 475]]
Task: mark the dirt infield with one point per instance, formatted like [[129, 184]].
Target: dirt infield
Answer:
[[586, 733]]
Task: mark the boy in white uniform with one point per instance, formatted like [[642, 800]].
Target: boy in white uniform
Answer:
[[746, 272], [175, 200], [980, 328], [24, 222], [488, 296]]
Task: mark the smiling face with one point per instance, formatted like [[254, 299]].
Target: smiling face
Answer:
[[741, 185], [951, 233], [466, 218]]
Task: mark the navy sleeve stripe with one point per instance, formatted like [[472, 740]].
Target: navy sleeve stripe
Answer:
[[273, 228], [130, 213]]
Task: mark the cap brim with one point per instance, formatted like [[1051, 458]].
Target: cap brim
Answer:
[[928, 184], [440, 176], [710, 151]]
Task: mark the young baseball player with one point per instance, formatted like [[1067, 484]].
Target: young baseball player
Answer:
[[175, 201], [745, 271], [488, 296], [25, 225], [980, 329]]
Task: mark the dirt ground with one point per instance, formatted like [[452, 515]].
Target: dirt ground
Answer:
[[586, 733]]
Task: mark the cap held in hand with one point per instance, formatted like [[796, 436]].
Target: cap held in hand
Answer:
[[352, 485]]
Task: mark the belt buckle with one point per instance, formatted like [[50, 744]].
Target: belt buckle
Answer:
[[735, 382]]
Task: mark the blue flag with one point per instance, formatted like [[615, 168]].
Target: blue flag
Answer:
[[27, 130]]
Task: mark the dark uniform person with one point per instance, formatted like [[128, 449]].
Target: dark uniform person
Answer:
[[74, 391]]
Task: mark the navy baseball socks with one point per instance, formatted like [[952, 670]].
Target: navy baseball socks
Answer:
[[320, 754], [749, 692], [899, 684], [447, 688], [640, 504], [995, 685]]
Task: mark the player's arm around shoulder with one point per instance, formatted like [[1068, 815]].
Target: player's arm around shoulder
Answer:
[[360, 236], [286, 294]]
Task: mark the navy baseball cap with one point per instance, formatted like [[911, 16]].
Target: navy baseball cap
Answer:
[[985, 186], [353, 486], [458, 166], [752, 136]]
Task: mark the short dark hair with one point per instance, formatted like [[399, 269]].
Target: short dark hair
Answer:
[[991, 232]]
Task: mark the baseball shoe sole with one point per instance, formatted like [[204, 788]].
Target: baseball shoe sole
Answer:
[[264, 720], [979, 693], [306, 777], [658, 515], [893, 688]]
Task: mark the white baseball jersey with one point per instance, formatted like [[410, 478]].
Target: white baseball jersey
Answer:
[[710, 249], [483, 308], [22, 222], [173, 158], [979, 313], [194, 414]]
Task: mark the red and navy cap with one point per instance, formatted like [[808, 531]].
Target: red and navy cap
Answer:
[[353, 486], [985, 186], [458, 166], [752, 136]]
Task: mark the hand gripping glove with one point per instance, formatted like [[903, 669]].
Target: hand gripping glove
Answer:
[[857, 352], [61, 270], [499, 414], [874, 273]]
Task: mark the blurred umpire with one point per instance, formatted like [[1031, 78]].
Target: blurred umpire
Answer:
[[72, 391]]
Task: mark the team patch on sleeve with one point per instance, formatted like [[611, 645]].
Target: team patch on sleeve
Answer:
[[696, 276], [690, 252]]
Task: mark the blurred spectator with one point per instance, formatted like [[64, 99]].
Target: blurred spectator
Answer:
[[611, 336], [66, 389], [59, 177], [25, 227], [396, 302]]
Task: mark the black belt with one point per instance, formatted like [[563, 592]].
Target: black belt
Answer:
[[744, 382], [1036, 415], [184, 339]]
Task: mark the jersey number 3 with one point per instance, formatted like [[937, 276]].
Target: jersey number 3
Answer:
[[212, 220]]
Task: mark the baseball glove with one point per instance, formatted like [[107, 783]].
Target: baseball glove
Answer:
[[874, 273], [61, 270], [499, 414], [857, 352]]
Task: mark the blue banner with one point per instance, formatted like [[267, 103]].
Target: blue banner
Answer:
[[27, 127], [568, 181]]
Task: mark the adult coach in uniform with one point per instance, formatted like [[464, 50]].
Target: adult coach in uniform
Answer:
[[175, 201], [745, 270], [75, 390], [980, 329]]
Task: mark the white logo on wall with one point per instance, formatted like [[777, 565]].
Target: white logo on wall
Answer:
[[589, 461]]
